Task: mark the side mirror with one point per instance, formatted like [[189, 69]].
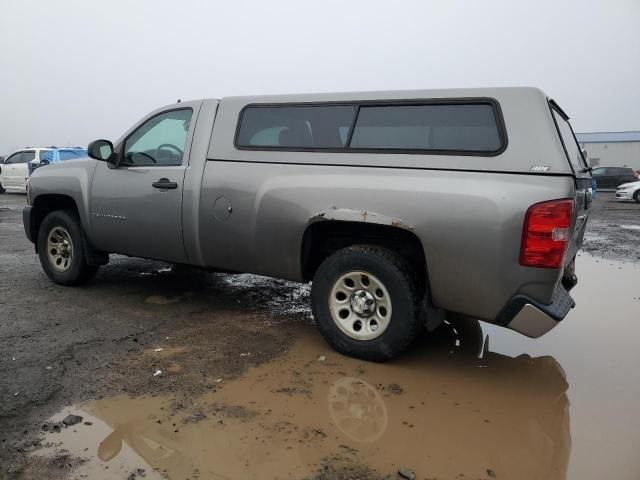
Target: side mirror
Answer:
[[101, 150]]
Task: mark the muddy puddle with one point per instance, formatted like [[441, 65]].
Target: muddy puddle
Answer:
[[469, 401]]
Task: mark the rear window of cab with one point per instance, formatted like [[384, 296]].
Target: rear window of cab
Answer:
[[472, 127]]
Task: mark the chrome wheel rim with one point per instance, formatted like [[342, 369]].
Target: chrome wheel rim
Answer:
[[59, 249], [360, 305]]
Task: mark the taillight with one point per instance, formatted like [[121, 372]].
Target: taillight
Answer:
[[546, 234]]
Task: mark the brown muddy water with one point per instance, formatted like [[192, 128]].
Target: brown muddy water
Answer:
[[469, 401]]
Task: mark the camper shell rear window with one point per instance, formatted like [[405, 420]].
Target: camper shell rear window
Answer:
[[447, 127], [568, 138]]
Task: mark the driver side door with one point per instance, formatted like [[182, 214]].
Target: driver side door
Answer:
[[8, 169], [136, 205], [16, 170]]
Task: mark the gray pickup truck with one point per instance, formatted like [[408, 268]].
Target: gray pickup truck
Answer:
[[398, 206]]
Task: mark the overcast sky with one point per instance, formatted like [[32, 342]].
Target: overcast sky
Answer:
[[73, 71]]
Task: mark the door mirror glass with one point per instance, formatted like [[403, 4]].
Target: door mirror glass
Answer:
[[101, 150]]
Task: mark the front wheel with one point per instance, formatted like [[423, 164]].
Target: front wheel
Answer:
[[366, 302], [61, 249], [636, 196]]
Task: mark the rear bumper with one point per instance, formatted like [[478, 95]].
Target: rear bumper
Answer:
[[533, 319], [27, 218]]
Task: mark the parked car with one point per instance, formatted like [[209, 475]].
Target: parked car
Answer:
[[611, 177], [398, 206], [53, 155], [20, 164], [629, 191]]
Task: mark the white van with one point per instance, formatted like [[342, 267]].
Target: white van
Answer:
[[17, 168]]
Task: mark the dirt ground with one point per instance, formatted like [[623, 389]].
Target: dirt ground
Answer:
[[179, 374]]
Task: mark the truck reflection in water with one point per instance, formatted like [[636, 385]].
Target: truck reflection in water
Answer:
[[450, 407], [521, 403], [357, 409]]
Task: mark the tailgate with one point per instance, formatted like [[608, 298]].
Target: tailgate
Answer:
[[583, 197]]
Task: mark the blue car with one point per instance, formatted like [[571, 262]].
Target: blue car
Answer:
[[49, 156]]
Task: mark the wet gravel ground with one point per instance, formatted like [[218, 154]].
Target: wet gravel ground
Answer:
[[614, 229], [61, 346]]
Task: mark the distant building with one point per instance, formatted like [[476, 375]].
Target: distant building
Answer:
[[611, 149]]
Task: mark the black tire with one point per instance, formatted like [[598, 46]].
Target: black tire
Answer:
[[78, 271], [399, 279], [636, 196], [2, 189]]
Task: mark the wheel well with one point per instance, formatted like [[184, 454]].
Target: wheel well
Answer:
[[321, 239], [45, 204]]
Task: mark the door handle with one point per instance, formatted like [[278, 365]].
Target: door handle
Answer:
[[165, 184]]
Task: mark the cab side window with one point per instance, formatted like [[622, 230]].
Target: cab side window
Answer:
[[160, 141]]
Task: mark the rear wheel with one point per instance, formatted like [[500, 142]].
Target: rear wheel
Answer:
[[366, 302], [636, 196], [61, 249]]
